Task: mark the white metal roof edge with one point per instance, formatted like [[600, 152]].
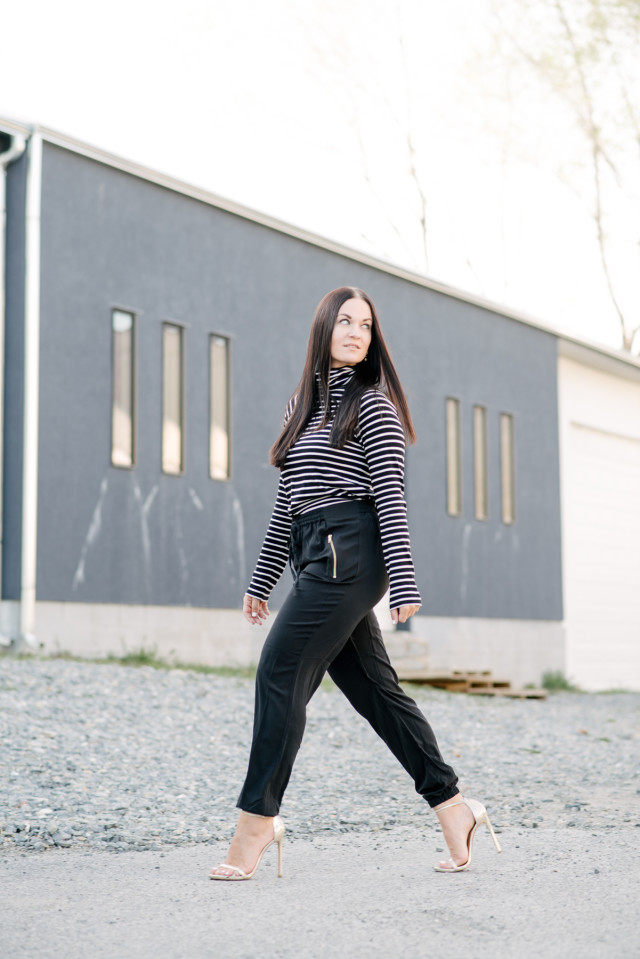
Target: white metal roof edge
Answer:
[[615, 362], [230, 206]]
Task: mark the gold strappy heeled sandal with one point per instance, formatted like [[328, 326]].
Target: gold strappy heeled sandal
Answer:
[[239, 874], [480, 816]]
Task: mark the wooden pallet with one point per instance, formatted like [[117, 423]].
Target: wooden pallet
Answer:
[[512, 693], [480, 683]]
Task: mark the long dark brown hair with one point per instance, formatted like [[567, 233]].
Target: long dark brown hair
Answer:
[[378, 371]]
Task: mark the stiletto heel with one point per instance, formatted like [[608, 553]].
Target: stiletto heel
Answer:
[[480, 816], [237, 873]]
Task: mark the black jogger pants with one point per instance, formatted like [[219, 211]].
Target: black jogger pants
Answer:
[[327, 623]]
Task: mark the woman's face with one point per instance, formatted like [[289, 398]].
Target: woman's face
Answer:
[[351, 334]]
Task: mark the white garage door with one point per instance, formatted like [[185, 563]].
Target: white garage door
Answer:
[[602, 559]]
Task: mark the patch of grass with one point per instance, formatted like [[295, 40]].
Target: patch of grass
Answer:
[[231, 672], [555, 682], [139, 657], [146, 657], [610, 692]]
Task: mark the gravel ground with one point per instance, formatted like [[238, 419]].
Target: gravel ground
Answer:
[[101, 759], [122, 758]]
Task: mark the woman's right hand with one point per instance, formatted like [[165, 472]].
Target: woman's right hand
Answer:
[[254, 610]]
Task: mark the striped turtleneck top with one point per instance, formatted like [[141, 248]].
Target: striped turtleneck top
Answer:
[[370, 466]]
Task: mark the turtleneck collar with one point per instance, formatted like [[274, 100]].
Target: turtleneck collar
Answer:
[[340, 376]]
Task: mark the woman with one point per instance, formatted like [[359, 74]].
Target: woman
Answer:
[[340, 518]]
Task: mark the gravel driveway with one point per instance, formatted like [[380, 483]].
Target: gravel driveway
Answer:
[[98, 759]]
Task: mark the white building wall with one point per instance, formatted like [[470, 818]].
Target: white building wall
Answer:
[[518, 650], [176, 634], [600, 475], [515, 650]]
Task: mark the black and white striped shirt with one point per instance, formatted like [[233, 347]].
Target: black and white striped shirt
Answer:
[[315, 474]]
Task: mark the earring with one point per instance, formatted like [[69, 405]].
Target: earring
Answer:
[[366, 357]]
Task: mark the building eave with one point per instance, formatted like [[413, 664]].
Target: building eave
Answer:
[[568, 345], [599, 357]]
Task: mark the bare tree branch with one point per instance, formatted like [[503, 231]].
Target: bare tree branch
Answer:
[[597, 154], [376, 195], [411, 148]]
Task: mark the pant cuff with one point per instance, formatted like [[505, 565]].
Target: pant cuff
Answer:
[[258, 810], [434, 799]]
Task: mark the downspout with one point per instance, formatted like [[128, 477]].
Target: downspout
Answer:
[[31, 393], [13, 151]]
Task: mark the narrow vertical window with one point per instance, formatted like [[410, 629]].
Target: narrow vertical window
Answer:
[[219, 451], [507, 469], [172, 399], [454, 458], [481, 486], [123, 389]]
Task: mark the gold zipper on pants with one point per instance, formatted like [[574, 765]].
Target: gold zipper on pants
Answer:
[[335, 558]]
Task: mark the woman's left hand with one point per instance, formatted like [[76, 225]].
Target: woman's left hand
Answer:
[[402, 614]]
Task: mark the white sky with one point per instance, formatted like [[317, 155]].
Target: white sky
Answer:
[[288, 106]]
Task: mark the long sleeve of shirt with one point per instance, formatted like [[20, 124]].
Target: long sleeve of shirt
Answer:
[[275, 548], [382, 438]]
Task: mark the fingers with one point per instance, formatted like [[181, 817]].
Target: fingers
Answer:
[[403, 613], [254, 610]]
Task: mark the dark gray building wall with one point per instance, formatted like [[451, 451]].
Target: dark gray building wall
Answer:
[[13, 379], [468, 567], [138, 536]]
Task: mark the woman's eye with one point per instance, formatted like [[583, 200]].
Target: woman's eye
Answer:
[[344, 320]]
